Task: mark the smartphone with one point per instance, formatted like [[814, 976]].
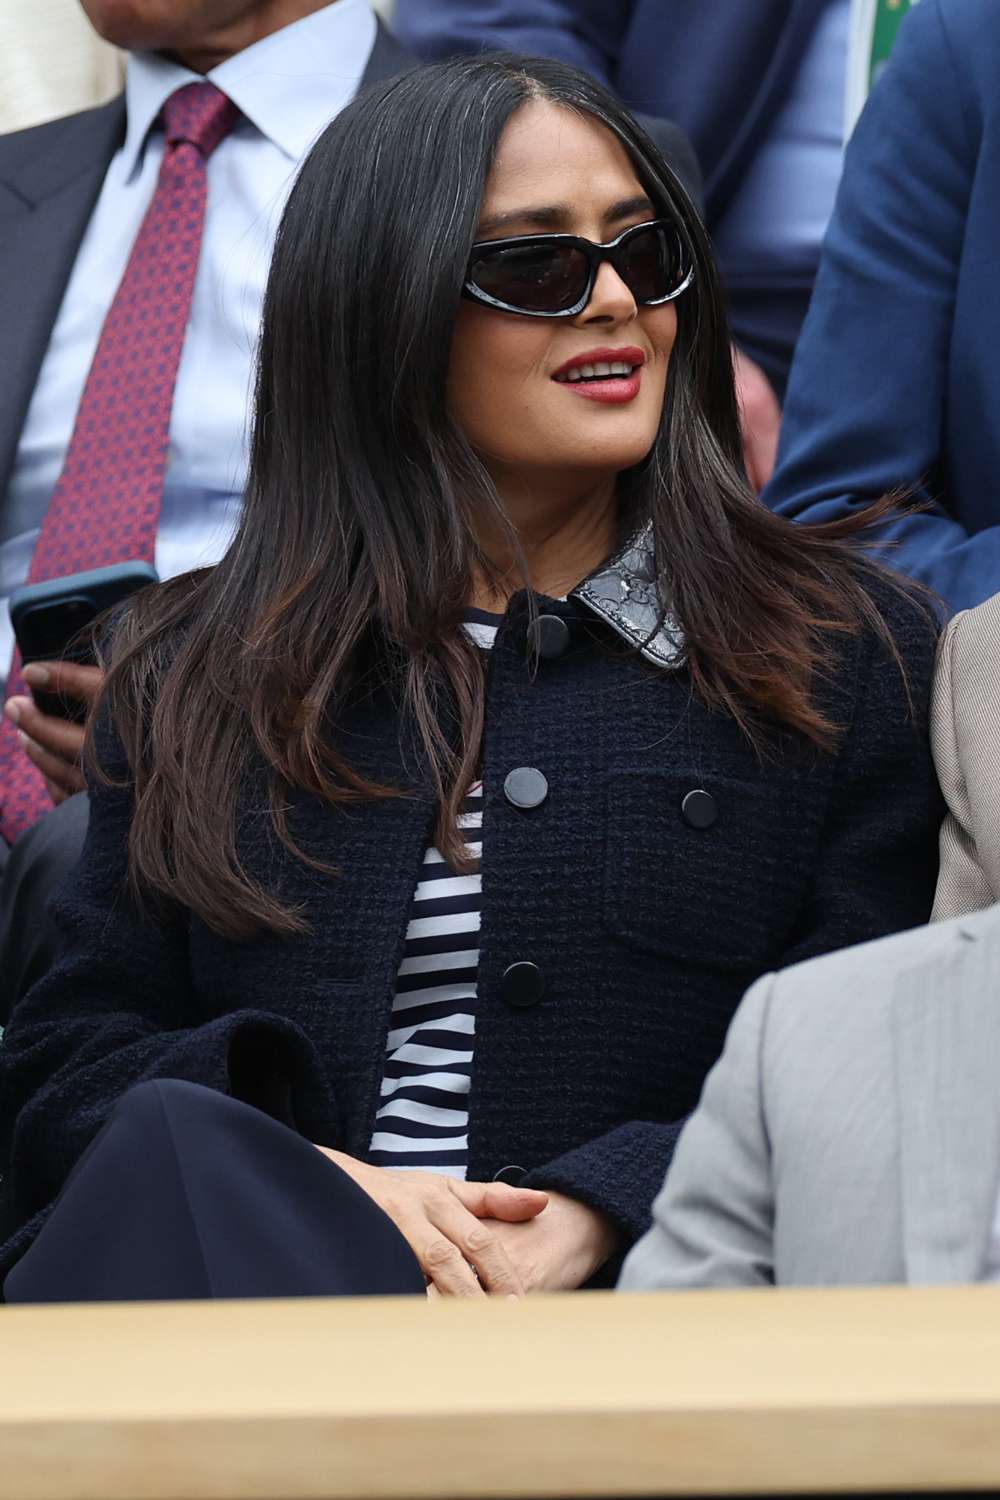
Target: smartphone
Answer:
[[53, 621]]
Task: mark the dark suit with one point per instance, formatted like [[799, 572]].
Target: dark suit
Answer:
[[50, 178], [896, 380], [721, 69]]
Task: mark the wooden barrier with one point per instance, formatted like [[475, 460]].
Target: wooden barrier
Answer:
[[573, 1396]]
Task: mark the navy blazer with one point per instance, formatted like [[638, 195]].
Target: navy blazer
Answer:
[[896, 381], [646, 912]]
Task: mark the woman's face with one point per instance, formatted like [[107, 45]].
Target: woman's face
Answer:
[[556, 171]]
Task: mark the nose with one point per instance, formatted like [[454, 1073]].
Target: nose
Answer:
[[610, 301]]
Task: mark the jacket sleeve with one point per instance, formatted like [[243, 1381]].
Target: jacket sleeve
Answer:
[[713, 1220], [866, 399], [116, 1009], [963, 738]]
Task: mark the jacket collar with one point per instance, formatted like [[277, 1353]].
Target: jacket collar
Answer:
[[624, 592]]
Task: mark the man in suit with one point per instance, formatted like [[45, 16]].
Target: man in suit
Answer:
[[759, 88], [894, 383], [135, 241], [850, 1132]]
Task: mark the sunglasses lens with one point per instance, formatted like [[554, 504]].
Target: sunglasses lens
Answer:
[[652, 263], [532, 278]]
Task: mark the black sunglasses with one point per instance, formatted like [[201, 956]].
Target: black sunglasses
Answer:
[[553, 275]]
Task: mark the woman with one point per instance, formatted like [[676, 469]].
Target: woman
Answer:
[[494, 376]]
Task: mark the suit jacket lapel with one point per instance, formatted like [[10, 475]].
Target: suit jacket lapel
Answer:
[[386, 58], [49, 184], [946, 1020], [778, 56]]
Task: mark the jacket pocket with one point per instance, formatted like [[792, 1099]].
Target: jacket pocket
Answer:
[[691, 867]]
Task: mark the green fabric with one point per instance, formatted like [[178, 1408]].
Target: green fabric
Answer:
[[888, 15]]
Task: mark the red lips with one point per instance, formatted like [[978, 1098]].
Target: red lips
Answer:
[[625, 354], [612, 390]]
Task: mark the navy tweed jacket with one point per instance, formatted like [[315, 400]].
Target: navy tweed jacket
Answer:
[[645, 913]]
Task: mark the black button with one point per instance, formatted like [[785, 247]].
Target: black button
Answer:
[[525, 787], [513, 1176], [523, 984], [699, 809], [549, 636]]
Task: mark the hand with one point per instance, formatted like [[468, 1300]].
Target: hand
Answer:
[[760, 418], [562, 1247], [54, 745], [451, 1226]]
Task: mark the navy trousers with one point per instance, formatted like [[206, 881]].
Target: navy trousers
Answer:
[[186, 1193]]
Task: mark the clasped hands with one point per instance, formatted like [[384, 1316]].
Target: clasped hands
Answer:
[[55, 745], [477, 1238]]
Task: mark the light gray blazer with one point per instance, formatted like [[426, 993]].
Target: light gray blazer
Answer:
[[850, 1132], [965, 737]]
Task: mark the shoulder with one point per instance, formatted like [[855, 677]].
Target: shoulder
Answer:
[[972, 637], [950, 40], [20, 147], [890, 659], [852, 984]]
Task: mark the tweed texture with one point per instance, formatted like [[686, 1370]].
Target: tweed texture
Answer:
[[106, 505], [965, 738], [647, 929]]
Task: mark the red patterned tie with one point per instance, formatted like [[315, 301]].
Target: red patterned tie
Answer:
[[106, 504]]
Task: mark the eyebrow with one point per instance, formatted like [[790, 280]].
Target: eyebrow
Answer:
[[556, 216]]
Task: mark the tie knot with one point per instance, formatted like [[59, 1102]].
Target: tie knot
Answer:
[[200, 114]]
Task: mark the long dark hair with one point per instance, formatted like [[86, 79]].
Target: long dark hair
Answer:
[[355, 551]]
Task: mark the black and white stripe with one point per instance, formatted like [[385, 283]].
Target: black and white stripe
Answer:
[[424, 1116]]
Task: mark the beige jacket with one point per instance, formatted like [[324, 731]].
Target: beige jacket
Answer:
[[965, 736], [52, 62]]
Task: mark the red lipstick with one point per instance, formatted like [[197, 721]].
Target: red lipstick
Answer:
[[598, 384]]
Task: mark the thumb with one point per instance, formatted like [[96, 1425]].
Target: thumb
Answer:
[[498, 1200]]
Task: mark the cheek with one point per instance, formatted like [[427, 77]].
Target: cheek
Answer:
[[660, 327], [495, 367]]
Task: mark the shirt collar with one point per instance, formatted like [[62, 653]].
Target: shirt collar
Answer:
[[289, 86]]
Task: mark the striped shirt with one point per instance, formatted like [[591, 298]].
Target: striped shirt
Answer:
[[423, 1119]]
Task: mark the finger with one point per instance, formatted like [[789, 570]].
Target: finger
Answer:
[[68, 778], [498, 1200], [57, 736], [479, 1246], [55, 792], [443, 1262], [433, 1292], [67, 677]]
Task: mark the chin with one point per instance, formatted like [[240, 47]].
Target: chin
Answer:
[[131, 24]]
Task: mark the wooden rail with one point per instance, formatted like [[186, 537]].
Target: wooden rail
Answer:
[[572, 1396]]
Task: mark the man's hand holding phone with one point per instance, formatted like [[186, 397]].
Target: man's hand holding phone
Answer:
[[53, 624], [54, 744]]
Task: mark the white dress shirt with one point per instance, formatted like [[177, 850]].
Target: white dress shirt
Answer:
[[288, 87]]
